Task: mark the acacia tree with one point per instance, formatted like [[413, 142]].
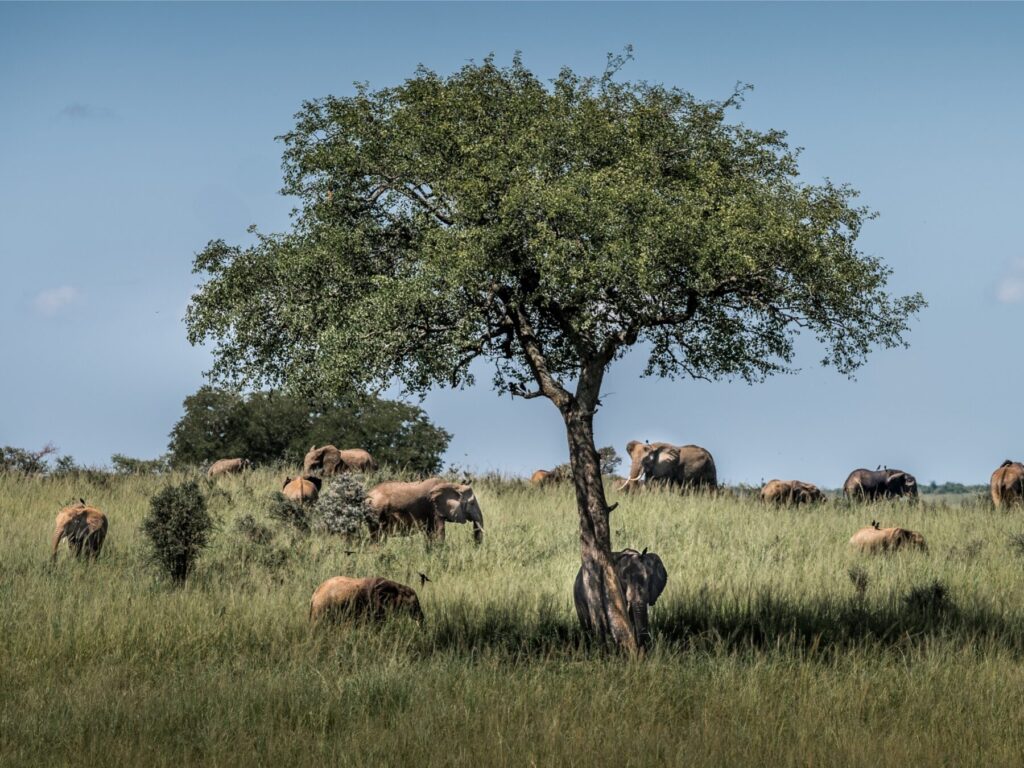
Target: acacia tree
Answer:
[[548, 229]]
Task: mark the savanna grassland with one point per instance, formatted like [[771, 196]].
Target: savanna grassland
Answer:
[[766, 652]]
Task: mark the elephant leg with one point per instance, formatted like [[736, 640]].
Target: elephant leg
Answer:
[[436, 530]]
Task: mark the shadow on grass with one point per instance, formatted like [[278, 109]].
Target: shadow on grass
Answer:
[[763, 623]]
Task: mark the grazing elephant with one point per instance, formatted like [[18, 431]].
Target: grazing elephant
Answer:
[[874, 539], [426, 505], [228, 467], [865, 484], [544, 477], [373, 599], [301, 488], [642, 577], [1008, 484], [328, 460], [83, 526], [792, 492], [688, 466]]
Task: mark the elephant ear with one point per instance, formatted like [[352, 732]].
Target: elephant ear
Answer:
[[316, 481], [447, 501], [286, 481], [657, 576]]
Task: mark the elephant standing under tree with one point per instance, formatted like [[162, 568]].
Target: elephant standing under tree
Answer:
[[1007, 484], [868, 485], [328, 460], [642, 577], [426, 505], [687, 466]]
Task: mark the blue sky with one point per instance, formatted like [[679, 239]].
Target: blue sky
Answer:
[[133, 134]]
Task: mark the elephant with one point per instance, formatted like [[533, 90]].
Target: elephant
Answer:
[[792, 492], [866, 484], [874, 538], [301, 488], [328, 460], [688, 466], [373, 599], [1008, 484], [427, 505], [642, 577], [228, 467], [544, 477], [84, 527]]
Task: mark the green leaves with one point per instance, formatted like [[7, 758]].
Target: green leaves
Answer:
[[547, 228]]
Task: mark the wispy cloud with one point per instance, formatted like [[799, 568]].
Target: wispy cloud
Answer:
[[80, 111], [1010, 289], [51, 301]]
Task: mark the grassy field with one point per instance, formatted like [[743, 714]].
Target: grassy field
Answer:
[[765, 652]]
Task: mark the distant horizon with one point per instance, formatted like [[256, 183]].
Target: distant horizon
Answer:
[[137, 133]]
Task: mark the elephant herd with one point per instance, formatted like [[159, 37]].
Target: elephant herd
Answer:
[[428, 505]]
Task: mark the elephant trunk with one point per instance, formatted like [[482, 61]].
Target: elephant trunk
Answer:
[[638, 615]]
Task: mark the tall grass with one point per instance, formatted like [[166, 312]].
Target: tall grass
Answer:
[[766, 652]]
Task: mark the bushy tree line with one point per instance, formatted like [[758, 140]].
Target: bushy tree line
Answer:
[[274, 426]]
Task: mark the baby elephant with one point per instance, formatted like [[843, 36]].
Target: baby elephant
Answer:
[[83, 526], [301, 488], [790, 492], [874, 538], [373, 599]]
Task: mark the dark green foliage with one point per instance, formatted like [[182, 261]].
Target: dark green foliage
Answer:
[[273, 426], [341, 508], [293, 512], [24, 461], [126, 465], [953, 488], [178, 527]]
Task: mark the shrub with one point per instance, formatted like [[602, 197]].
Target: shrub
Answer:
[[25, 462], [178, 528], [341, 508], [931, 598], [255, 532], [290, 512], [126, 465]]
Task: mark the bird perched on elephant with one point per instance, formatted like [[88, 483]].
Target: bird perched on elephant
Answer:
[[371, 599], [791, 492], [1007, 484], [642, 578], [84, 527], [301, 488], [228, 467], [871, 485], [874, 539], [425, 505], [328, 460], [686, 466]]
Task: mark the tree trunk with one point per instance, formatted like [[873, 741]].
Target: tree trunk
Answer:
[[605, 600]]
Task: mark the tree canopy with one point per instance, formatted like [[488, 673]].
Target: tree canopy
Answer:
[[275, 426], [486, 214]]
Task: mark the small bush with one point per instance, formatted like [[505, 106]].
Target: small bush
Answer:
[[126, 465], [178, 528], [860, 580], [1017, 543], [341, 508], [290, 512], [932, 598], [255, 532]]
